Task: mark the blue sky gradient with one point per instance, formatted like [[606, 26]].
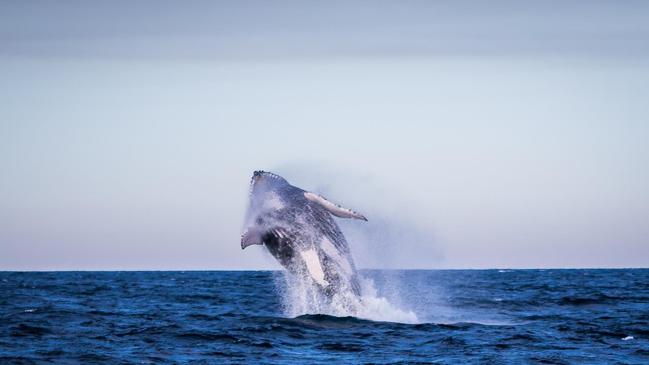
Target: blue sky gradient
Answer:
[[471, 134]]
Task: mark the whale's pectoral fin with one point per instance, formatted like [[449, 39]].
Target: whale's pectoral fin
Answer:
[[332, 208], [252, 236]]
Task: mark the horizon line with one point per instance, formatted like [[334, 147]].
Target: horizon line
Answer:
[[363, 269]]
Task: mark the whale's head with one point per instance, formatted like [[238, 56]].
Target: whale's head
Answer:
[[262, 181], [268, 196], [266, 187]]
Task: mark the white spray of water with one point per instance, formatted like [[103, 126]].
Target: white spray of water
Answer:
[[300, 296], [303, 282]]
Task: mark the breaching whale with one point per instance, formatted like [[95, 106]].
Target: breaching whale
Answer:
[[298, 229]]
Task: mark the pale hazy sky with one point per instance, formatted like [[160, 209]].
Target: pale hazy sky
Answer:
[[471, 134]]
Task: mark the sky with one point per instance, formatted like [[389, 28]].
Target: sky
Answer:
[[471, 134]]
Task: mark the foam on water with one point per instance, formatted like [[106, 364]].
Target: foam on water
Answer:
[[300, 296], [380, 309]]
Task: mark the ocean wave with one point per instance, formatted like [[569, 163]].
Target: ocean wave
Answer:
[[556, 316]]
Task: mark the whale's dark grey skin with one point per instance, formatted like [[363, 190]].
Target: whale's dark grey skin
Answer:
[[298, 229]]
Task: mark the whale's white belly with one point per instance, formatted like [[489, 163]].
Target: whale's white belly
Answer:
[[313, 266]]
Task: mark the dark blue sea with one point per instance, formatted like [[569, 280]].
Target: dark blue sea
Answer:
[[214, 317]]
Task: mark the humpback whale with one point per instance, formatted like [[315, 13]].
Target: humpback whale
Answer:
[[298, 229]]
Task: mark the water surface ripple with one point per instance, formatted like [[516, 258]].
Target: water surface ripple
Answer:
[[468, 316]]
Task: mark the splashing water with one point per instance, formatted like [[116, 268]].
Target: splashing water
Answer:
[[298, 229], [300, 296]]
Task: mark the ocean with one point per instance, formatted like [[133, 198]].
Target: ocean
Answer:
[[595, 316]]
